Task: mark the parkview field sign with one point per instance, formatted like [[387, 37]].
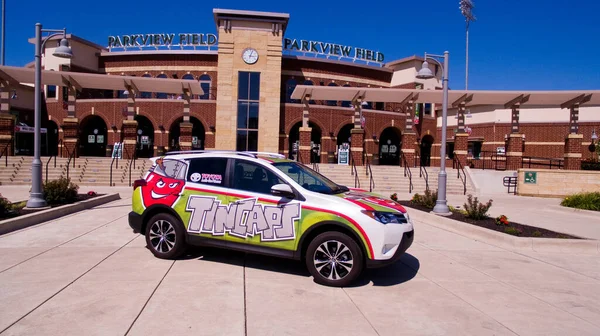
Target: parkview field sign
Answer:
[[161, 40], [332, 49]]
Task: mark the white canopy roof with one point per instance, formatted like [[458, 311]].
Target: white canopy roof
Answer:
[[97, 81], [391, 95]]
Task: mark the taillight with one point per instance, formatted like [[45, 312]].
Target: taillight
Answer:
[[139, 183]]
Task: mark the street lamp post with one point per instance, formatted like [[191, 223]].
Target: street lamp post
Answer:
[[36, 197], [441, 205]]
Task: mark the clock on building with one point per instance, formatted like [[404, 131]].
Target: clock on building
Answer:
[[250, 55]]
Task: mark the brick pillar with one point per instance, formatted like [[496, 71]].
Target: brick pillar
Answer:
[[304, 149], [370, 148], [327, 149], [185, 135], [283, 146], [70, 136], [514, 151], [408, 148], [461, 146], [356, 145], [129, 136], [209, 140], [573, 151]]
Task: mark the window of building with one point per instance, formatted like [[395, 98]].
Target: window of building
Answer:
[[51, 91], [346, 103], [450, 150], [205, 85], [427, 109], [380, 106], [161, 95], [290, 85], [250, 176], [248, 105], [209, 171], [146, 94]]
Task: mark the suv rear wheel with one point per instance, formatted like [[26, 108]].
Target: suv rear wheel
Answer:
[[334, 259], [165, 236]]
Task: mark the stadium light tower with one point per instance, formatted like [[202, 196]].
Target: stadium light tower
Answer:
[[466, 9]]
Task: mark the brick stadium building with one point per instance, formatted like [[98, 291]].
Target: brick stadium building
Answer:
[[248, 71]]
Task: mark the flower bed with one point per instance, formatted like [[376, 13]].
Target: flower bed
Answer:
[[18, 208], [475, 213]]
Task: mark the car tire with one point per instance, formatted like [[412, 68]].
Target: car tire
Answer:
[[165, 236], [334, 259]]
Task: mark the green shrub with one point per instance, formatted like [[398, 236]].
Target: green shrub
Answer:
[[512, 230], [61, 191], [475, 209], [5, 206], [536, 234], [427, 200], [585, 201]]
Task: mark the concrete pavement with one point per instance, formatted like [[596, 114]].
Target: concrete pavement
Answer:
[[88, 274]]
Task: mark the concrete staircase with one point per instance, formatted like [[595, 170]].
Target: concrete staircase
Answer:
[[391, 179], [86, 170]]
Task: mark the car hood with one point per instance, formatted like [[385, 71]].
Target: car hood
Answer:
[[371, 201]]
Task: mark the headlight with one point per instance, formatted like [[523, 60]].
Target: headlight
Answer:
[[387, 217]]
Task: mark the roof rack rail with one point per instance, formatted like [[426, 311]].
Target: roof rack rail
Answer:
[[199, 151], [277, 155]]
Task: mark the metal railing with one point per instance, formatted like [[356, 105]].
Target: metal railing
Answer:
[[132, 160], [5, 151], [72, 156], [369, 172], [542, 161], [494, 159], [459, 168], [407, 172], [423, 173], [354, 172], [54, 157], [112, 162]]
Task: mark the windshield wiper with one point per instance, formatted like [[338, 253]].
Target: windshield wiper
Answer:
[[340, 189]]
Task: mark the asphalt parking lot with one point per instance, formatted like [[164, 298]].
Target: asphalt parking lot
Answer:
[[88, 274]]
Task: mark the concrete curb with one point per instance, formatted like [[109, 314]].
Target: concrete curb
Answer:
[[504, 240], [21, 222], [590, 213]]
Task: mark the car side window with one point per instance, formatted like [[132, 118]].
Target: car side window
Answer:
[[210, 171], [253, 177]]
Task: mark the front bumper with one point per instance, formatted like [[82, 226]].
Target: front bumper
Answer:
[[135, 222], [405, 243]]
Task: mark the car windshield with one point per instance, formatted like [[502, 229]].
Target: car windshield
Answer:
[[309, 179]]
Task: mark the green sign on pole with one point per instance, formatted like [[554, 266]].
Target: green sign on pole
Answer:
[[530, 177]]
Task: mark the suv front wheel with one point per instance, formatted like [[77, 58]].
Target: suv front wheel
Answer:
[[334, 259], [165, 236]]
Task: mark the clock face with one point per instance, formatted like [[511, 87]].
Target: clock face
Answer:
[[250, 55]]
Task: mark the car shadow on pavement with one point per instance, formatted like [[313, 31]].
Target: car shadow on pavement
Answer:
[[402, 271]]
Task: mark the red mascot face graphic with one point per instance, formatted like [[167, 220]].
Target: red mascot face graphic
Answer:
[[165, 184]]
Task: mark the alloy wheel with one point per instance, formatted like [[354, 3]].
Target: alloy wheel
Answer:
[[162, 236], [333, 260]]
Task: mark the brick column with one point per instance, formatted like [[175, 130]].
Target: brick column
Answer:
[[129, 136], [356, 145], [304, 149], [573, 151], [408, 148], [209, 140], [7, 121], [461, 146], [70, 136], [514, 151], [370, 148], [327, 149], [283, 150], [185, 135]]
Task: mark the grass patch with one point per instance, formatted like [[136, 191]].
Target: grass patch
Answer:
[[584, 201]]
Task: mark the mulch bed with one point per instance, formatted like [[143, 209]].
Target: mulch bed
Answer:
[[19, 211], [490, 223]]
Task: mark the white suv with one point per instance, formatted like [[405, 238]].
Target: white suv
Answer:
[[264, 203]]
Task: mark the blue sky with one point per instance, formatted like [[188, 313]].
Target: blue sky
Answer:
[[514, 45]]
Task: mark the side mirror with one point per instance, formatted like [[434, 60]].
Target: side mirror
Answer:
[[282, 190]]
